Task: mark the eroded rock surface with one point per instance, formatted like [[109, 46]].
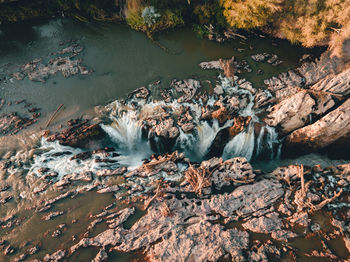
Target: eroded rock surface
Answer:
[[323, 132], [78, 132], [295, 111]]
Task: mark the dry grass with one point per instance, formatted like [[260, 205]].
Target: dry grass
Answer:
[[301, 195], [198, 178]]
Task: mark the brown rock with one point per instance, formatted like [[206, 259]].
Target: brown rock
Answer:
[[264, 224], [108, 172], [293, 112], [187, 87], [77, 134], [322, 133], [229, 67], [201, 242], [236, 170], [57, 256]]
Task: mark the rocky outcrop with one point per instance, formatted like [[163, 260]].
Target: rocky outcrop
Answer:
[[216, 173], [64, 61], [187, 88], [78, 133], [141, 92], [323, 132], [175, 225], [338, 84], [307, 75], [212, 208], [57, 256], [234, 171], [176, 222], [230, 66], [304, 99], [202, 242], [271, 58], [11, 124], [296, 110]]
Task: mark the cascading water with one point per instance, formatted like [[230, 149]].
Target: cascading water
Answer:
[[241, 145], [206, 135], [125, 131], [126, 135], [58, 158], [247, 144], [196, 145]]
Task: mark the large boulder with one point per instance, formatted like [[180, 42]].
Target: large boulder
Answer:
[[295, 111], [323, 132], [334, 83]]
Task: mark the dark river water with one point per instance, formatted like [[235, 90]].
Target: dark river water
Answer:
[[122, 60]]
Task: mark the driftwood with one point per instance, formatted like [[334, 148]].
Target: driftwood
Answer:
[[157, 194], [302, 202], [53, 116], [198, 178], [161, 159], [327, 201]]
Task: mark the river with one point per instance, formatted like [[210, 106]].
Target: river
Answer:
[[121, 60]]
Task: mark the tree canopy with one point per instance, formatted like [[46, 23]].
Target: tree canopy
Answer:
[[310, 22]]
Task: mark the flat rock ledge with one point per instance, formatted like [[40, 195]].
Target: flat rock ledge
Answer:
[[219, 225]]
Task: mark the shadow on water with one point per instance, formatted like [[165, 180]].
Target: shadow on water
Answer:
[[11, 42]]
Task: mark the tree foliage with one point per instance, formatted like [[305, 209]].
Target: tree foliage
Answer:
[[309, 22], [249, 14]]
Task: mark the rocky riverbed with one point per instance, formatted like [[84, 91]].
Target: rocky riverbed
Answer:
[[171, 169]]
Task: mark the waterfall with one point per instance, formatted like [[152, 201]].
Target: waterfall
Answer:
[[57, 158], [125, 131], [241, 145], [186, 142], [126, 135], [206, 135], [248, 145], [197, 144], [272, 141]]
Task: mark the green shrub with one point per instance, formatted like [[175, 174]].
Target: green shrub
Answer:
[[135, 20], [168, 19], [201, 31], [210, 13]]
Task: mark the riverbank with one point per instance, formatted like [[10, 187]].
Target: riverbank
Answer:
[[283, 19]]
